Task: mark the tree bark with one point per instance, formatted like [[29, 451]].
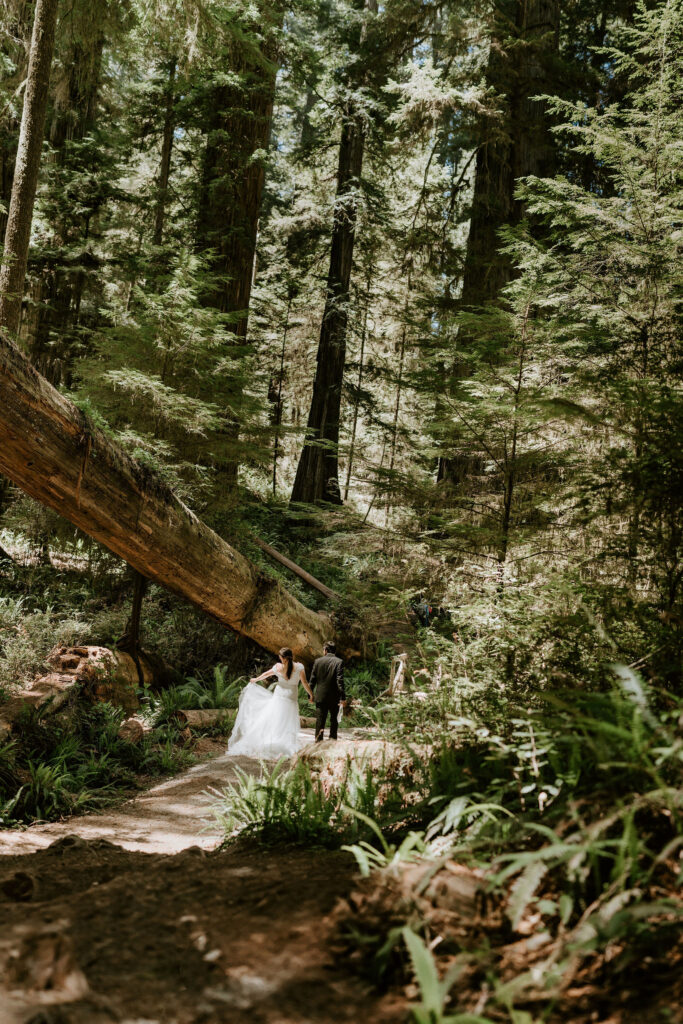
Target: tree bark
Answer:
[[20, 216], [277, 393], [356, 402], [521, 146], [525, 148], [63, 278], [237, 131], [15, 46], [238, 126], [296, 569], [51, 450], [166, 149], [204, 718], [317, 475]]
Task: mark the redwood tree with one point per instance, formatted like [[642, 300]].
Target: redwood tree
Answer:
[[20, 216], [317, 475], [237, 124], [523, 47]]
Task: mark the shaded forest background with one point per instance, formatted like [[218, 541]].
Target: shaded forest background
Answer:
[[347, 256], [396, 289]]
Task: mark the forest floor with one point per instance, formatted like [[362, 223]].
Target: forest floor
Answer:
[[134, 915]]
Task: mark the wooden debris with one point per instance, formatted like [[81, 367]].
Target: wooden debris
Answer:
[[41, 961], [204, 718], [131, 731]]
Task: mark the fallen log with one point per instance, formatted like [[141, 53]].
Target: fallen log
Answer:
[[293, 567], [206, 717], [50, 449], [203, 718]]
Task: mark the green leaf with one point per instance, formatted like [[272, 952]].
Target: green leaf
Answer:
[[425, 970], [523, 891]]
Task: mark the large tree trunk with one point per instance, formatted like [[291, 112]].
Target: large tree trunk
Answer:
[[317, 475], [18, 233], [237, 127], [63, 279], [523, 147], [231, 189], [518, 69], [166, 149], [50, 449], [15, 46]]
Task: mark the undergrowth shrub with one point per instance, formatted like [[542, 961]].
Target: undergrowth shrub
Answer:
[[196, 693], [295, 805], [74, 760], [575, 813], [27, 636]]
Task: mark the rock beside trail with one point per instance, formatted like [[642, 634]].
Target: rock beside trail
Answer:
[[104, 674], [131, 731], [98, 672]]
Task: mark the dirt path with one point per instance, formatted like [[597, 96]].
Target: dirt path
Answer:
[[168, 818], [134, 916]]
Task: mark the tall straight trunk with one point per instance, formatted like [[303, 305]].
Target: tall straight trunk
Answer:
[[510, 452], [394, 425], [356, 403], [527, 148], [63, 281], [14, 53], [50, 449], [166, 149], [317, 475], [277, 417], [237, 128], [20, 215], [524, 147], [231, 188]]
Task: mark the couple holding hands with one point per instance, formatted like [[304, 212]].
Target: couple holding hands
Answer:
[[267, 723]]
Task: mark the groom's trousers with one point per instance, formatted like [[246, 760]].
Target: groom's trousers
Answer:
[[331, 705]]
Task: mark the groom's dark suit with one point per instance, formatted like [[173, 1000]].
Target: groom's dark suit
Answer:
[[327, 683]]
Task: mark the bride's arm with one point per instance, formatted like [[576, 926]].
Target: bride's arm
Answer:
[[264, 675]]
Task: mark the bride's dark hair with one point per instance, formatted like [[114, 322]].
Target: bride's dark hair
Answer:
[[287, 659]]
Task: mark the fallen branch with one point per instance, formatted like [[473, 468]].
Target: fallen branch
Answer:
[[296, 569]]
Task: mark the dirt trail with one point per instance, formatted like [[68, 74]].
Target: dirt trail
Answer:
[[134, 916], [168, 818]]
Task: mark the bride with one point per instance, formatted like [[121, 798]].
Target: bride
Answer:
[[267, 723]]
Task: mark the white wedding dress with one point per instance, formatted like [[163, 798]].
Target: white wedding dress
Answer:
[[267, 723]]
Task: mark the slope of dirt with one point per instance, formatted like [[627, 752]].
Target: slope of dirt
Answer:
[[134, 915], [169, 817], [92, 933]]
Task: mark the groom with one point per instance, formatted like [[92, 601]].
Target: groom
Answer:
[[327, 683]]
